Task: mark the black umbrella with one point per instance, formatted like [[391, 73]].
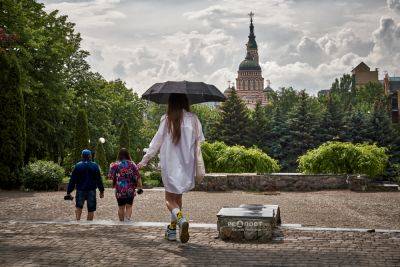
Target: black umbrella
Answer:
[[197, 92]]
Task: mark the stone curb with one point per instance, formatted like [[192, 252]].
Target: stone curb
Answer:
[[201, 225]]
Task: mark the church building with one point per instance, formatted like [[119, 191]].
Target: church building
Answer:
[[250, 82]]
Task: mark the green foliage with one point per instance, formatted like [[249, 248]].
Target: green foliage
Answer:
[[369, 94], [332, 123], [81, 134], [396, 172], [344, 90], [211, 152], [12, 122], [345, 158], [101, 158], [107, 182], [233, 126], [260, 126], [56, 82], [356, 127], [219, 157], [152, 179], [42, 175], [124, 140], [300, 136], [380, 127], [208, 116]]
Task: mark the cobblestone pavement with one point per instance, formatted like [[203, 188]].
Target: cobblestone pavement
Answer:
[[324, 208], [35, 244]]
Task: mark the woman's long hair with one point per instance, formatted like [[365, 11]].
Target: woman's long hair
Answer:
[[176, 104], [123, 154]]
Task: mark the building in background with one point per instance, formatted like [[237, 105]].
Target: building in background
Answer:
[[250, 82], [392, 90], [362, 75]]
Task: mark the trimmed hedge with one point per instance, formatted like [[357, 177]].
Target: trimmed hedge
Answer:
[[218, 157], [345, 158], [42, 175]]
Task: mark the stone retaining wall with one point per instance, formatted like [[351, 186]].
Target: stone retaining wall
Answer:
[[274, 182]]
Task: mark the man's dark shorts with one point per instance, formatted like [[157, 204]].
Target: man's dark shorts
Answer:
[[125, 201], [89, 196]]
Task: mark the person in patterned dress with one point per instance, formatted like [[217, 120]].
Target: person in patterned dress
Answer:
[[126, 178]]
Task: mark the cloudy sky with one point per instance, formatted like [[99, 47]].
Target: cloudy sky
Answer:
[[302, 43]]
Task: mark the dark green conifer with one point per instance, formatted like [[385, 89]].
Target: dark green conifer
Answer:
[[12, 122], [234, 125]]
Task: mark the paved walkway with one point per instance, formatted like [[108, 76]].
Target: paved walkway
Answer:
[[35, 244], [27, 239], [324, 208]]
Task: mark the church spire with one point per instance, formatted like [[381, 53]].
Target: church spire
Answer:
[[251, 15], [251, 44]]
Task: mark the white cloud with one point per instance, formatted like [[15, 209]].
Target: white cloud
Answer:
[[386, 52], [302, 43], [89, 14], [306, 76]]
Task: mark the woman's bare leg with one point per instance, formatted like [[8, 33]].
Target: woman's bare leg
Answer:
[[171, 201], [121, 213], [128, 211], [179, 201]]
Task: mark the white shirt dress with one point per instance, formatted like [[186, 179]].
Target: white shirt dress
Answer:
[[177, 161]]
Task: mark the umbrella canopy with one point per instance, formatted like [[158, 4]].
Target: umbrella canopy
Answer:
[[197, 92]]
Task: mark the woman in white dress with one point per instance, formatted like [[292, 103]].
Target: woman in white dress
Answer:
[[176, 140]]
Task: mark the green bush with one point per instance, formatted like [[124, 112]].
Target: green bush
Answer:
[[211, 152], [345, 158], [219, 157], [152, 179], [42, 175]]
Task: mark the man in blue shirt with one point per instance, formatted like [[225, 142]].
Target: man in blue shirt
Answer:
[[86, 178]]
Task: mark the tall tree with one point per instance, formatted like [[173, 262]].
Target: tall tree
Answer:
[[81, 136], [344, 89], [382, 132], [12, 121], [279, 138], [301, 130], [367, 95], [101, 158], [260, 127], [234, 123], [331, 126], [356, 127], [380, 125], [124, 139], [46, 43]]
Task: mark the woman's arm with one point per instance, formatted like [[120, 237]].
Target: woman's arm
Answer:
[[155, 144], [200, 135], [138, 178]]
